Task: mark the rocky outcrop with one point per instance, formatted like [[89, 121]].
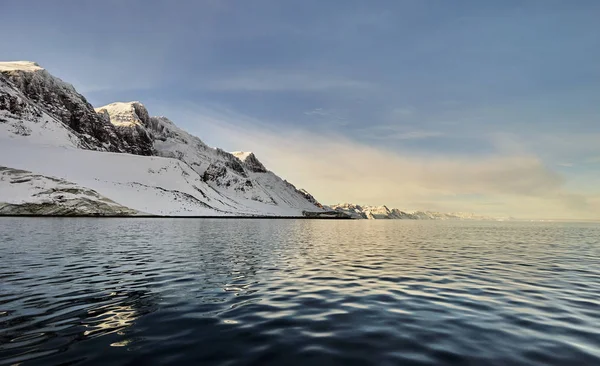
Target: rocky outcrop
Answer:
[[26, 193], [20, 117], [14, 105], [309, 197], [352, 210], [250, 161], [61, 100], [238, 174], [131, 122], [326, 215]]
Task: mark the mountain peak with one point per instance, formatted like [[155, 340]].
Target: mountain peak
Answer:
[[250, 160], [163, 169], [126, 114], [19, 66], [242, 155]]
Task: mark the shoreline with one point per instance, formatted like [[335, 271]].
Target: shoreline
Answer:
[[178, 217], [269, 218]]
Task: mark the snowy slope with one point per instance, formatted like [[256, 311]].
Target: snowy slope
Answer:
[[60, 100], [151, 185], [25, 193], [184, 177], [26, 66], [241, 178]]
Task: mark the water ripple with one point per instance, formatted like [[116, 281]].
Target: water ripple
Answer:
[[256, 292]]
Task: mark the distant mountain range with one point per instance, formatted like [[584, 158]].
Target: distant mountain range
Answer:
[[384, 213]]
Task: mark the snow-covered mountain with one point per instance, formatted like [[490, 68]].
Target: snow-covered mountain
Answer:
[[383, 212], [62, 102], [123, 154]]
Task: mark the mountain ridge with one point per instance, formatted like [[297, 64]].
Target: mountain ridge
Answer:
[[383, 212], [44, 113]]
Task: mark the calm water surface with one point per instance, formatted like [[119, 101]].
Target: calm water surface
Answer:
[[298, 292]]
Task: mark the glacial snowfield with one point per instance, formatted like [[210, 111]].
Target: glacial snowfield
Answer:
[[26, 193], [141, 164]]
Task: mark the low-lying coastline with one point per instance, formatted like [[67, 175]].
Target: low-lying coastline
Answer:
[[182, 217]]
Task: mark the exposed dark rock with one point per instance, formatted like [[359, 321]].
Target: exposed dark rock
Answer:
[[309, 197], [254, 164], [214, 171], [54, 196], [326, 215], [62, 100]]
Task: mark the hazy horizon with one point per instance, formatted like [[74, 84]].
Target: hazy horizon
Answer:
[[489, 108]]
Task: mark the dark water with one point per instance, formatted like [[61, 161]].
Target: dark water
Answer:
[[260, 292]]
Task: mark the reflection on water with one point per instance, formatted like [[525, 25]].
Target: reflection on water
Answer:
[[55, 294], [123, 291]]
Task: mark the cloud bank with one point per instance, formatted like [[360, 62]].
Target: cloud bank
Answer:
[[337, 169]]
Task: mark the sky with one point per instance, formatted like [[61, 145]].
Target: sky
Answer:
[[490, 107]]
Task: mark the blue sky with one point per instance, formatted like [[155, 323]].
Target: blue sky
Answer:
[[427, 84]]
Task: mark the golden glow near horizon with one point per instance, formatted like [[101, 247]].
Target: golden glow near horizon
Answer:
[[510, 183]]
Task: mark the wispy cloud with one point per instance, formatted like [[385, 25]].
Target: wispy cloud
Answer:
[[396, 132], [412, 135], [320, 112], [328, 116], [285, 81], [337, 169]]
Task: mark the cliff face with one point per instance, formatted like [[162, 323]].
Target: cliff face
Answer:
[[130, 124], [237, 174], [250, 160], [62, 101]]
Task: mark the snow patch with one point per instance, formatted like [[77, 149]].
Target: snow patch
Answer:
[[20, 66], [23, 192], [124, 113], [242, 155]]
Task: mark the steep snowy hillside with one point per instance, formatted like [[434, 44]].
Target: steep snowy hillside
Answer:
[[25, 193], [62, 101], [48, 129], [129, 120], [21, 119], [239, 176]]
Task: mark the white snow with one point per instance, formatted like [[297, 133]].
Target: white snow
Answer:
[[153, 185], [187, 178], [19, 187], [19, 65], [266, 193], [242, 155], [122, 114]]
